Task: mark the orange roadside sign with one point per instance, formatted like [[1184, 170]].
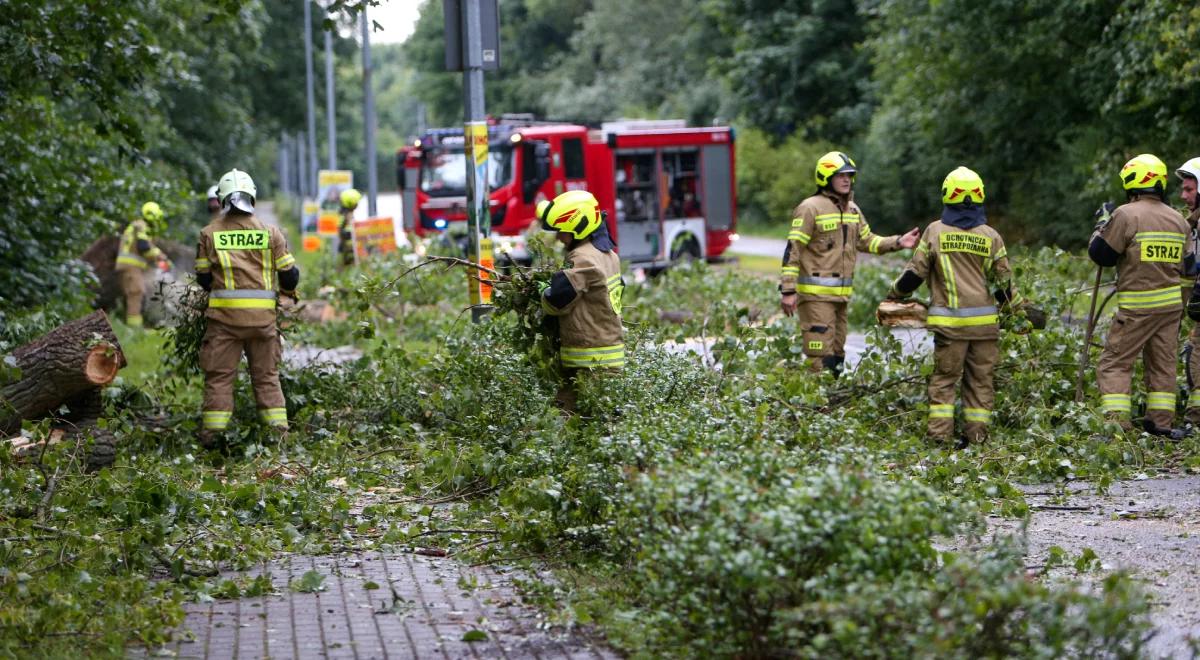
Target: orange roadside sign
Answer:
[[312, 243]]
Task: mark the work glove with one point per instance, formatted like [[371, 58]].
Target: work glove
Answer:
[[1193, 306], [290, 294], [1103, 215]]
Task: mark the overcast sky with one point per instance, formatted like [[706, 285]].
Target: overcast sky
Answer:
[[398, 18]]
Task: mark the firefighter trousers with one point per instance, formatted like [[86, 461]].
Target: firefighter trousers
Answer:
[[1192, 370], [1155, 336], [220, 355], [133, 286], [823, 325], [974, 362]]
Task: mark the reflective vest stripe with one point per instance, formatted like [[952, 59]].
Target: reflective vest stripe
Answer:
[[131, 259], [951, 285], [962, 317], [285, 262], [599, 356], [1167, 297], [242, 299], [826, 281], [1170, 236], [226, 268]]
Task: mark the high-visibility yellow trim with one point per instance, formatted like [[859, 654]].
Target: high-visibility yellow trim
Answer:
[[941, 411], [242, 303], [203, 265], [599, 356], [274, 416], [285, 262], [961, 322], [216, 420], [1160, 401], [1000, 254], [797, 222], [951, 285], [796, 235], [873, 248], [981, 415], [818, 290], [134, 321], [1172, 236], [790, 270], [266, 269], [1194, 399], [131, 260], [1115, 403], [1167, 297], [226, 269]]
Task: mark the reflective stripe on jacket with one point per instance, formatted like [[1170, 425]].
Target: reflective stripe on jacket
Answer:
[[823, 246]]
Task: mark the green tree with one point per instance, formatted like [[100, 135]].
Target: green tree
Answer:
[[797, 65]]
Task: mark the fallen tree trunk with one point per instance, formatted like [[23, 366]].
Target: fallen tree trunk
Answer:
[[61, 365]]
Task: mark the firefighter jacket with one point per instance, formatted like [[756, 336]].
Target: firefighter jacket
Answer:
[[1148, 243], [823, 246], [1191, 268], [958, 265], [136, 250], [586, 298], [243, 258]]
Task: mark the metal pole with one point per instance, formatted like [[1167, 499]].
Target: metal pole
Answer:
[[285, 184], [302, 163], [369, 115], [475, 144], [329, 109], [309, 167]]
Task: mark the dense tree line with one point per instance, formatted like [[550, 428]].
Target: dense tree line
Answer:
[[107, 104], [1045, 99]]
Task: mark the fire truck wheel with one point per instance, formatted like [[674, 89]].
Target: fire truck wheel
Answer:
[[685, 248]]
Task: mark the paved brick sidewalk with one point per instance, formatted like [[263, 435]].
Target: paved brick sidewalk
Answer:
[[424, 614]]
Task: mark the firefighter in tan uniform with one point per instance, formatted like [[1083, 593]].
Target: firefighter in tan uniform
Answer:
[[959, 256], [586, 294], [349, 200], [828, 231], [134, 255], [1147, 242], [241, 262], [1189, 179]]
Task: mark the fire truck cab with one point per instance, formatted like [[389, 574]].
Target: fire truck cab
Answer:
[[667, 189]]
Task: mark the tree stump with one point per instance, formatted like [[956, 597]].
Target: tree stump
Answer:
[[68, 361]]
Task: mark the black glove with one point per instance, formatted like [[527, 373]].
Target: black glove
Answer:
[[1193, 306], [1036, 316], [1103, 215]]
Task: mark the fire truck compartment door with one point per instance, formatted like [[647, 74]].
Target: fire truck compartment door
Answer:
[[718, 184]]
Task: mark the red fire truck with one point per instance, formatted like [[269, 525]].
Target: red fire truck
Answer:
[[668, 189]]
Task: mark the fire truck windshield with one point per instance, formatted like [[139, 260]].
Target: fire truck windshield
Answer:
[[444, 171]]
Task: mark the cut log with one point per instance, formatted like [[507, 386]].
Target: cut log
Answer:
[[62, 364], [893, 314]]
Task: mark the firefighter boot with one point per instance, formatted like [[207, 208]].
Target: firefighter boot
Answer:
[[1174, 435], [833, 364]]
